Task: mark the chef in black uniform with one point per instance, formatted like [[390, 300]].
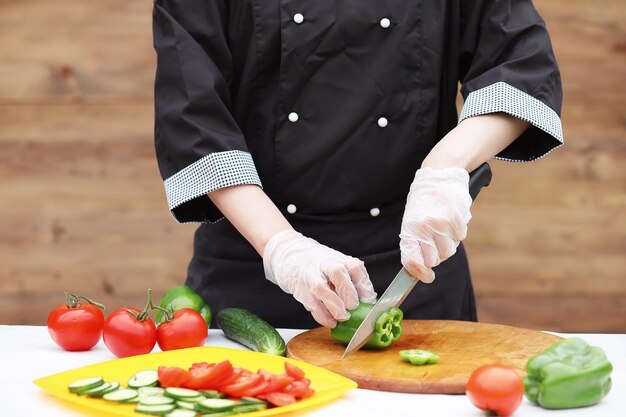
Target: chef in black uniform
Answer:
[[318, 143]]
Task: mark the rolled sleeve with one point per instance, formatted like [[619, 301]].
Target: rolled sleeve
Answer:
[[187, 189], [504, 98], [507, 65]]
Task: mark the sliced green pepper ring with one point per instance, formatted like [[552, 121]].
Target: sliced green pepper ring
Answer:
[[419, 356], [388, 326]]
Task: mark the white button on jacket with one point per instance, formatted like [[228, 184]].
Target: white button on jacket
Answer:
[[293, 117], [382, 122], [375, 211], [385, 23], [298, 18], [291, 209]]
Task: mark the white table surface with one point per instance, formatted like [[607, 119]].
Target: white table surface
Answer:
[[28, 353]]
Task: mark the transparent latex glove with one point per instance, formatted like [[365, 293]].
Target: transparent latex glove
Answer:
[[435, 219], [324, 280]]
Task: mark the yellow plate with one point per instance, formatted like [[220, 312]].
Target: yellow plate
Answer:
[[327, 385]]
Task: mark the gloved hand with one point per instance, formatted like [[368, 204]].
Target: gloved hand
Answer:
[[435, 219], [324, 280]]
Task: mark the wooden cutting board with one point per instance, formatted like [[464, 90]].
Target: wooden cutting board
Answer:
[[463, 346]]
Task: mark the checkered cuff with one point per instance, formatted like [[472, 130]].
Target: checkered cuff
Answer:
[[502, 97], [212, 172]]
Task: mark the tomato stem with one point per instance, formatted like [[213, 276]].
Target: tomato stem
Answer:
[[73, 301], [145, 313], [489, 413]]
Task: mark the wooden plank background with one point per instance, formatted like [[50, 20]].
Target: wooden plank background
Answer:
[[82, 204]]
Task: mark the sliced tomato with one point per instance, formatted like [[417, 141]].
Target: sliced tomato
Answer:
[[293, 371], [277, 383], [229, 379], [299, 389], [201, 365], [280, 398], [172, 376], [242, 385], [256, 389], [207, 377]]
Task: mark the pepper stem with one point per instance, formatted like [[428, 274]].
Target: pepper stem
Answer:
[[73, 301]]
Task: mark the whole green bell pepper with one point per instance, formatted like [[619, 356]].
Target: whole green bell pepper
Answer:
[[568, 374], [183, 297], [387, 329]]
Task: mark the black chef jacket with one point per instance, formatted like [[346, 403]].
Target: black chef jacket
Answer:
[[331, 106]]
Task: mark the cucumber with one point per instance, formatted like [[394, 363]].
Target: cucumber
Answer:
[[216, 405], [102, 389], [149, 391], [220, 414], [251, 331], [248, 408], [183, 394], [149, 378], [181, 413], [155, 410], [186, 405], [86, 384], [252, 400], [121, 395], [156, 400], [212, 394]]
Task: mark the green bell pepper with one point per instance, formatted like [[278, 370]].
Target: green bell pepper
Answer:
[[387, 329], [568, 374], [419, 356], [183, 297]]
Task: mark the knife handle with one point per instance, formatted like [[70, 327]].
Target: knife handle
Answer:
[[479, 178]]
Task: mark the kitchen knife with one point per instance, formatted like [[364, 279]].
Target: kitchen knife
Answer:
[[403, 283]]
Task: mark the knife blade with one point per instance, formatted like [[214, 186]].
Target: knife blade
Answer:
[[404, 282]]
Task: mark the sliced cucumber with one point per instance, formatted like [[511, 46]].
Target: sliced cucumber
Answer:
[[252, 400], [149, 378], [156, 400], [222, 414], [216, 405], [181, 413], [212, 394], [121, 395], [251, 331], [102, 389], [86, 384], [182, 393], [186, 405], [248, 408], [155, 410], [148, 391]]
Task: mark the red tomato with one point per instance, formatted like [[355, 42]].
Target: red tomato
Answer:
[[242, 385], [278, 383], [76, 328], [186, 329], [208, 377], [495, 388], [293, 371], [256, 389], [299, 389], [229, 379], [126, 335], [279, 398], [172, 376]]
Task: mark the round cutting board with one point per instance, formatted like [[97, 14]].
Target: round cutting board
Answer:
[[463, 346]]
